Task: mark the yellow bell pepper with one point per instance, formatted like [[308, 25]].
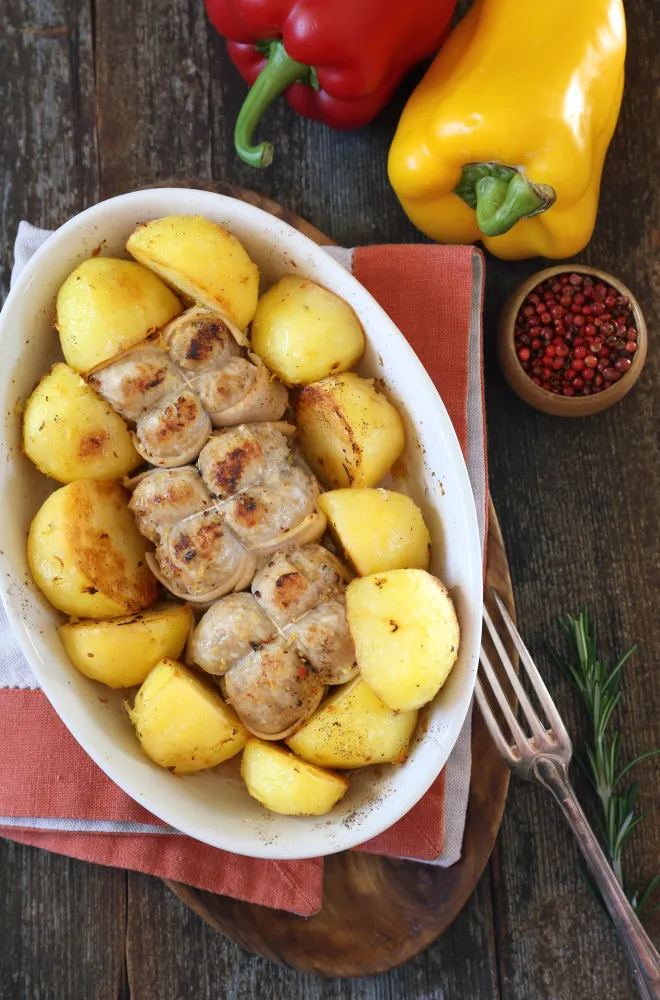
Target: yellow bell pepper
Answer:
[[505, 137]]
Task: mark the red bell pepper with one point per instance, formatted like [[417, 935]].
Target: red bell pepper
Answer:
[[337, 60]]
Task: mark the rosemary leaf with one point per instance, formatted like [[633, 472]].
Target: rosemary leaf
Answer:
[[642, 904], [600, 687], [635, 760]]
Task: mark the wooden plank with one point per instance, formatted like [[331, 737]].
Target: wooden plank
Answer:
[[62, 927], [62, 923], [577, 503], [172, 953], [48, 164], [151, 92]]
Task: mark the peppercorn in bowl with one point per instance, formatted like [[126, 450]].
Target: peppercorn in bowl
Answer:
[[572, 342]]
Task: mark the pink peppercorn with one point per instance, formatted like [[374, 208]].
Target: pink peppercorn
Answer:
[[574, 336]]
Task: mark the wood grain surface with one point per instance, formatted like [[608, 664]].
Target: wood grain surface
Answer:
[[100, 96]]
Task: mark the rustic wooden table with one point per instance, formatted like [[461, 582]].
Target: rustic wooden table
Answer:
[[101, 96]]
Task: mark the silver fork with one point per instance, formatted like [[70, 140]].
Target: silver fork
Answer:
[[544, 758]]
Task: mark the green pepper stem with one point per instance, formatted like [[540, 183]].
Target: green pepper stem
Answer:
[[502, 196], [279, 73]]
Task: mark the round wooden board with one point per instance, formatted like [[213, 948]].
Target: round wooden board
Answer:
[[377, 912]]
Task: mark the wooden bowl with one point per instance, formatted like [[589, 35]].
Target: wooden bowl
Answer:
[[541, 399]]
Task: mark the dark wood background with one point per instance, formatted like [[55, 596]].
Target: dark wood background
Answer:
[[101, 96]]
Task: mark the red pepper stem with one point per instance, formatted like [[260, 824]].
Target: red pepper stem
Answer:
[[279, 73]]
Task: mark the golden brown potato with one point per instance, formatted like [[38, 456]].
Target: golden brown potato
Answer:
[[351, 435], [286, 784], [106, 306], [303, 332], [70, 433], [120, 652], [406, 635], [204, 262], [378, 529], [86, 554], [353, 728], [182, 723]]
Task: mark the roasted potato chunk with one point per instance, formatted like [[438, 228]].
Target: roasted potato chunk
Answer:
[[350, 433], [121, 652], [204, 262], [353, 728], [406, 635], [70, 433], [86, 554], [303, 332], [106, 306], [286, 784], [378, 529], [182, 723]]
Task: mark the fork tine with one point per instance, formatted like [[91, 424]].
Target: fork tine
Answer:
[[498, 737], [535, 724], [538, 683], [516, 729]]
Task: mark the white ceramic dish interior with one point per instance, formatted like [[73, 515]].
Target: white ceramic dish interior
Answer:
[[214, 807]]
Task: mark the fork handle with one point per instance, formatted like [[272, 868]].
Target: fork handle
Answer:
[[641, 954]]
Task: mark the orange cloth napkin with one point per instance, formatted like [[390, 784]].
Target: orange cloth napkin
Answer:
[[53, 796]]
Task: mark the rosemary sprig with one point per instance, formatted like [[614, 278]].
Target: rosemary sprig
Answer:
[[600, 688]]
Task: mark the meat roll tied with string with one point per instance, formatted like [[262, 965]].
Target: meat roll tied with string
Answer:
[[190, 378], [213, 524], [277, 648]]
